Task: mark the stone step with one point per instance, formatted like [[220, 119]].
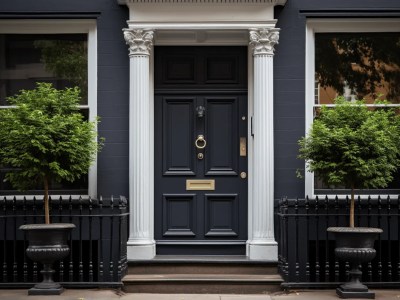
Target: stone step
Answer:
[[170, 264], [194, 268], [202, 283], [202, 274]]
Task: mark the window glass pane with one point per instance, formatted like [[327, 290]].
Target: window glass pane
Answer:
[[29, 58], [357, 65]]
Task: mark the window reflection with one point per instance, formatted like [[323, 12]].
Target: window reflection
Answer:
[[358, 66], [25, 59]]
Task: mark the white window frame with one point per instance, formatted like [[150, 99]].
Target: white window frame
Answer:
[[58, 26], [330, 26]]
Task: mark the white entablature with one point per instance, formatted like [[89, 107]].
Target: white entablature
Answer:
[[205, 11]]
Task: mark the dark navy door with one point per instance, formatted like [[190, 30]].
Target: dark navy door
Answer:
[[201, 150]]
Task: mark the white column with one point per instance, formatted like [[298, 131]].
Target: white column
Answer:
[[262, 244], [141, 244]]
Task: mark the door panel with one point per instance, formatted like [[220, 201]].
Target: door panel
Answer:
[[178, 134], [179, 215], [222, 69], [200, 95], [222, 136], [222, 215]]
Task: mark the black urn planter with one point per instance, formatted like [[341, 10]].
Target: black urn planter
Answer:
[[48, 243], [355, 245]]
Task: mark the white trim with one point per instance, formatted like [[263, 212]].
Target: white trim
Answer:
[[141, 244], [36, 26], [262, 244], [92, 100], [250, 146], [354, 25], [133, 254], [56, 26], [310, 96], [333, 25], [240, 25]]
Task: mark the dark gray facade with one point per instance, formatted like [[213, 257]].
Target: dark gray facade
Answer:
[[113, 76]]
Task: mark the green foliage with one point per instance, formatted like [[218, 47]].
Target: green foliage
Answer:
[[66, 60], [353, 145], [43, 135]]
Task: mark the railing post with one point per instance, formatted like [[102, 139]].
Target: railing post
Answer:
[[317, 264], [15, 266], [111, 240], [100, 252], [337, 210], [389, 244], [5, 279], [327, 264], [90, 240], [380, 239], [307, 243]]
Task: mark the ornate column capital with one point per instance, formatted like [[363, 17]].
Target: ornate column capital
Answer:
[[139, 41], [264, 40]]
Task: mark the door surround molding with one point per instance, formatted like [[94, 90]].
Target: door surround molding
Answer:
[[263, 36]]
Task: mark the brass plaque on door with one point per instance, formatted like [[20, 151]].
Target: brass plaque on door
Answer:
[[243, 145], [200, 185]]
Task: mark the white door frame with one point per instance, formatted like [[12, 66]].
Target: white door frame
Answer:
[[263, 36]]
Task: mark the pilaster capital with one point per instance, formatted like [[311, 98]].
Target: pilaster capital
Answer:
[[264, 40], [139, 41]]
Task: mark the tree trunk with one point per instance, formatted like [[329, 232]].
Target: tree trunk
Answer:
[[46, 200], [352, 207]]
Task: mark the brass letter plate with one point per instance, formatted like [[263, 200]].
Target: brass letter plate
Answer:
[[200, 185]]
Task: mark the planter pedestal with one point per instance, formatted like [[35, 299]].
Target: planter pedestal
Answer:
[[355, 245], [48, 243]]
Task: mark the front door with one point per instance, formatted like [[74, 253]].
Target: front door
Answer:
[[201, 150]]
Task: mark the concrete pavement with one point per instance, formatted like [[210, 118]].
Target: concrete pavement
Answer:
[[93, 294]]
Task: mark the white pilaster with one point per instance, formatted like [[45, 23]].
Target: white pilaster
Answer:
[[141, 244], [262, 244]]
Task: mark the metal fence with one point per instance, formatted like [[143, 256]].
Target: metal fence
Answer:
[[306, 251], [97, 246]]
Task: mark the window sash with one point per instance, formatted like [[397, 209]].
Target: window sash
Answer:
[[62, 26], [319, 25]]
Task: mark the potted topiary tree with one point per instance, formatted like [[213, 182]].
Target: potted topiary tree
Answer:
[[358, 147], [44, 138]]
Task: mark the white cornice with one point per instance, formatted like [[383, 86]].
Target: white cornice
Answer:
[[272, 2], [201, 25]]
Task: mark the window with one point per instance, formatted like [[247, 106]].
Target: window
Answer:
[[62, 52], [358, 59]]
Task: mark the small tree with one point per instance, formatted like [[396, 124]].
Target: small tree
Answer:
[[353, 145], [44, 137]]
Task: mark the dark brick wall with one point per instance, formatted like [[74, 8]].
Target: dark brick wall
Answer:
[[113, 78], [289, 74]]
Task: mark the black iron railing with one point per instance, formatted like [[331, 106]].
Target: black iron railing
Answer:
[[97, 247], [306, 250]]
